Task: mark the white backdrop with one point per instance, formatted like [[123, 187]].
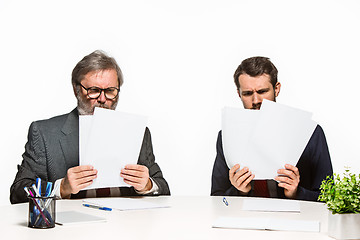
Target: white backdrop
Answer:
[[178, 58]]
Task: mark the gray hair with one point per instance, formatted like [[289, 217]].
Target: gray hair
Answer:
[[95, 61]]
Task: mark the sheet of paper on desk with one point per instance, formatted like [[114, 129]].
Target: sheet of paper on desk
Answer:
[[74, 217], [270, 205], [124, 203], [278, 224], [266, 139], [113, 140]]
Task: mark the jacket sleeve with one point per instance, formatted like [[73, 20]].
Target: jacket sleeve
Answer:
[[147, 159], [220, 183], [314, 166], [33, 165]]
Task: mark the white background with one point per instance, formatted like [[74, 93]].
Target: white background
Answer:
[[178, 58]]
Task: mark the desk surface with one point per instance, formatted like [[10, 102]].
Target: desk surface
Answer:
[[186, 218]]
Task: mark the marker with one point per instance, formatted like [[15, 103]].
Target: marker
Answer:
[[31, 194], [97, 207]]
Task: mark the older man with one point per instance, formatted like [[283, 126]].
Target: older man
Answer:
[[256, 79], [52, 150]]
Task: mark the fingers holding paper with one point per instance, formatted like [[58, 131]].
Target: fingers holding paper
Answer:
[[137, 176], [76, 179], [289, 179], [241, 179]]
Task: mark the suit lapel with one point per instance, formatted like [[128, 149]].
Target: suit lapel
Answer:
[[70, 140]]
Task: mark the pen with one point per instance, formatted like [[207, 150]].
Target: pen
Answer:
[[53, 192], [38, 207], [38, 185], [37, 194], [27, 191], [225, 201], [97, 207], [48, 194], [48, 189]]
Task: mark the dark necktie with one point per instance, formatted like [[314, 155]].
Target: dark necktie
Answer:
[[102, 192], [261, 189]]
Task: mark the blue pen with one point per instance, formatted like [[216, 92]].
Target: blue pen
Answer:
[[38, 207], [225, 201], [97, 207], [48, 189], [47, 194]]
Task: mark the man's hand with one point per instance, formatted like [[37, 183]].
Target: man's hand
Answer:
[[76, 179], [289, 179], [137, 176], [241, 179]]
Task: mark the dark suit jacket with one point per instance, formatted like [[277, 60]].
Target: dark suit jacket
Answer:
[[314, 165], [53, 148]]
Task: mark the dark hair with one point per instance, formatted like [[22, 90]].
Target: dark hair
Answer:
[[95, 61], [256, 66]]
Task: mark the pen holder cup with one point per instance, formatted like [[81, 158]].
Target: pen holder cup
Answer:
[[42, 212]]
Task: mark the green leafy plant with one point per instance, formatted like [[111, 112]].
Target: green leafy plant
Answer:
[[341, 195]]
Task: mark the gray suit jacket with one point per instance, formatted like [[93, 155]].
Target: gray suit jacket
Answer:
[[53, 148]]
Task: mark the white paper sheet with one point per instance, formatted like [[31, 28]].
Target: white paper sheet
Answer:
[[280, 137], [265, 140], [74, 217], [114, 140], [123, 203], [270, 205], [85, 123], [237, 127], [267, 224]]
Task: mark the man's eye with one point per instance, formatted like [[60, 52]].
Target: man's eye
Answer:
[[94, 90], [110, 90]]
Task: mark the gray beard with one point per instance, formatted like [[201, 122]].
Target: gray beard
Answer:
[[85, 108]]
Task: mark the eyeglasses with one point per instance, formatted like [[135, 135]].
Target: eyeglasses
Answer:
[[95, 92]]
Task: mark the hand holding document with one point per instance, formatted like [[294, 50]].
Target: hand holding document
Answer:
[[265, 140], [108, 141]]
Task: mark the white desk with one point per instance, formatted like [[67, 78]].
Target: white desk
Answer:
[[187, 218]]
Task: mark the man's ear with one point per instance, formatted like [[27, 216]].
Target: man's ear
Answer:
[[277, 89]]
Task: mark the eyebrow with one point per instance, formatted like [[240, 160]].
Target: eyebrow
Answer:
[[263, 90], [247, 92]]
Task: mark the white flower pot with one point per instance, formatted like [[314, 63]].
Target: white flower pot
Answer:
[[344, 226]]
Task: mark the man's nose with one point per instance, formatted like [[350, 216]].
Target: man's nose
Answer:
[[101, 98], [257, 98], [256, 101]]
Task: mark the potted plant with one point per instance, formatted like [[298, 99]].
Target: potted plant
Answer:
[[342, 197]]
